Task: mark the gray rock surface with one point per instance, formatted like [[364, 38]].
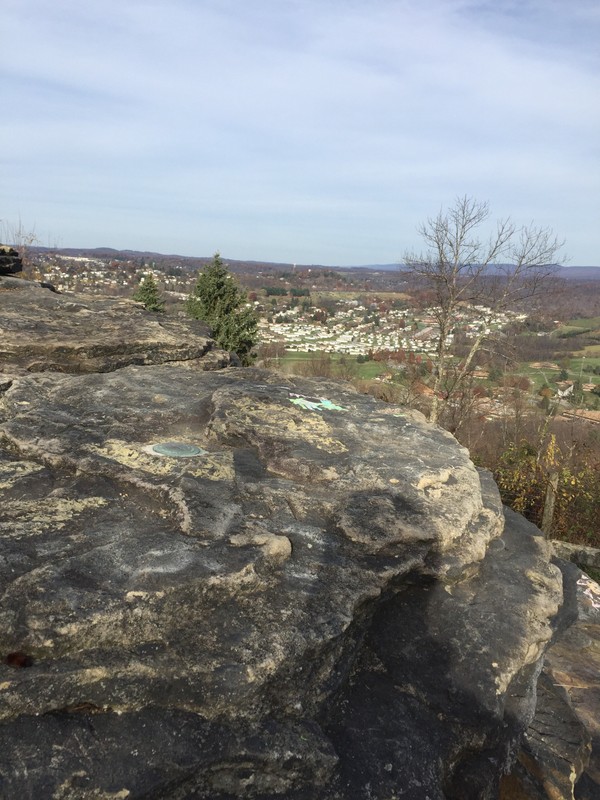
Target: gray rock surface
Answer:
[[324, 603], [573, 667], [42, 330], [580, 554], [302, 593], [556, 746]]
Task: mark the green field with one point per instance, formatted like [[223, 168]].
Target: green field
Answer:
[[579, 365], [590, 323], [346, 367], [578, 324], [575, 372], [293, 362], [571, 330], [539, 377], [581, 326]]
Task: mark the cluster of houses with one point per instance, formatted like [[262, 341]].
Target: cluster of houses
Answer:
[[345, 333], [354, 330], [349, 333], [82, 273]]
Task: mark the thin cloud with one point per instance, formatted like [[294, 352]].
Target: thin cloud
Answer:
[[343, 123]]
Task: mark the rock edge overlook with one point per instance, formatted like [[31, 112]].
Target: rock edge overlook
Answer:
[[324, 600]]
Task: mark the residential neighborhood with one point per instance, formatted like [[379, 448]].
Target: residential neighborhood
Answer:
[[354, 328], [347, 332]]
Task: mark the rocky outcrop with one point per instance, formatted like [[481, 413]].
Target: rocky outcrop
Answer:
[[573, 665], [580, 554], [42, 330], [237, 585], [560, 754], [234, 584], [10, 260]]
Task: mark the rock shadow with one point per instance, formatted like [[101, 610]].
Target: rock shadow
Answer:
[[406, 726]]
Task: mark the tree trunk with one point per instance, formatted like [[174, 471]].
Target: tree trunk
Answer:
[[549, 502]]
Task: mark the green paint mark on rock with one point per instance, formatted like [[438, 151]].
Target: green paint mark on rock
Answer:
[[315, 403]]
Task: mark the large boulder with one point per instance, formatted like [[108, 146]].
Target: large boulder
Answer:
[[232, 584], [42, 330]]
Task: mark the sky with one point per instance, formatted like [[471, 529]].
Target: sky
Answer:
[[297, 131]]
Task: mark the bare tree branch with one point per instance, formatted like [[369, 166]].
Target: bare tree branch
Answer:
[[458, 267]]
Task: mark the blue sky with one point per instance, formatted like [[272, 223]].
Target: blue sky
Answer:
[[308, 131]]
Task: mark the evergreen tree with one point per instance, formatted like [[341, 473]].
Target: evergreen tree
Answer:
[[148, 294], [218, 300]]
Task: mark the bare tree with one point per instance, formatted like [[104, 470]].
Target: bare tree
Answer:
[[460, 269]]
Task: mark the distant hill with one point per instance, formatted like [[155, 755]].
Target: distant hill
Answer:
[[580, 273], [237, 265], [187, 262], [568, 273]]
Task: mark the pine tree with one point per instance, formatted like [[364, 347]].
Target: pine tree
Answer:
[[218, 300], [148, 294]]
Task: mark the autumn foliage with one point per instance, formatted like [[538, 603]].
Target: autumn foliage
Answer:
[[523, 474]]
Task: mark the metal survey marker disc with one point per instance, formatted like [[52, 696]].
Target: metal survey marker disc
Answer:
[[177, 450]]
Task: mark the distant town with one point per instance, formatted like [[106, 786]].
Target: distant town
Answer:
[[334, 324], [358, 314]]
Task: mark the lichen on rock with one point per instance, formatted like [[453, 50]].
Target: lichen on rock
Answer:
[[302, 593], [310, 575]]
